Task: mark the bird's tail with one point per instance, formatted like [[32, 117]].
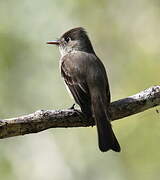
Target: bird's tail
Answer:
[[106, 138]]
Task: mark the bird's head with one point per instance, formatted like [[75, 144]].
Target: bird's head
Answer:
[[73, 40]]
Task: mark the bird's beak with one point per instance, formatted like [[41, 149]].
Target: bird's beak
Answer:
[[53, 42]]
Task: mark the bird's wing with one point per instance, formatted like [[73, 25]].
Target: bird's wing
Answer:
[[76, 83]]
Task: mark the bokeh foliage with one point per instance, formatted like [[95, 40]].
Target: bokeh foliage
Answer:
[[125, 35]]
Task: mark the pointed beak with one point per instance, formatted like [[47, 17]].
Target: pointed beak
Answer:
[[53, 42]]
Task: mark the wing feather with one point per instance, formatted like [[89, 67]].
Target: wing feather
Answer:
[[77, 85]]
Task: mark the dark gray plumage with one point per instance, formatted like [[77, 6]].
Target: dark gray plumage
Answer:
[[86, 78]]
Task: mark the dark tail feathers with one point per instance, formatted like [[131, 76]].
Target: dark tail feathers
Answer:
[[106, 138]]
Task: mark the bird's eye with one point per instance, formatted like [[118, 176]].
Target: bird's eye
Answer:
[[67, 39]]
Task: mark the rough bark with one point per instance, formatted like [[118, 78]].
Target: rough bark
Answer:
[[45, 119]]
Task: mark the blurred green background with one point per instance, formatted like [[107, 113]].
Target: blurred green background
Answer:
[[125, 35]]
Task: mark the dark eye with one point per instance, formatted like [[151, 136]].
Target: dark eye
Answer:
[[67, 39]]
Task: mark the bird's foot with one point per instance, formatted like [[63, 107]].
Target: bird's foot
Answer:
[[72, 107], [76, 110]]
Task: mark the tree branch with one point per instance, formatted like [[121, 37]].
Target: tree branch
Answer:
[[45, 119]]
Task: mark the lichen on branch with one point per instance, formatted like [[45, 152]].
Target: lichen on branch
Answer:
[[45, 119]]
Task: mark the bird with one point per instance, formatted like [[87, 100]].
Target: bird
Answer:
[[85, 76]]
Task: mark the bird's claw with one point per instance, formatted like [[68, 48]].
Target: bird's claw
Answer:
[[72, 107]]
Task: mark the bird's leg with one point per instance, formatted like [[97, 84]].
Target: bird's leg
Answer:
[[72, 107], [76, 110]]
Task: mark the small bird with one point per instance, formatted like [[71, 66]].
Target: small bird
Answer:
[[86, 78]]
